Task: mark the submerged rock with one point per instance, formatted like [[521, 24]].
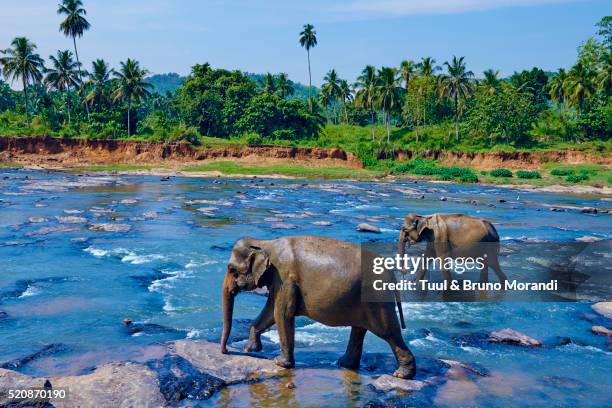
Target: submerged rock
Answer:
[[603, 308], [231, 368], [602, 331], [47, 350], [37, 220], [386, 383], [110, 227], [363, 227], [322, 223], [589, 210], [70, 219], [283, 225], [514, 337]]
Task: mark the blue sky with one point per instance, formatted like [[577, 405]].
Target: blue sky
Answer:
[[261, 36]]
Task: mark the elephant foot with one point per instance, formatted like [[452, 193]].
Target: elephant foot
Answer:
[[405, 372], [348, 362], [252, 347], [284, 362]]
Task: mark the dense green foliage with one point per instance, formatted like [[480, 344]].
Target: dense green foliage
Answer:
[[429, 168], [524, 174], [501, 173]]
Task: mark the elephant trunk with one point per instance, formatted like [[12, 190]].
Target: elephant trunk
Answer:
[[227, 302], [401, 243]]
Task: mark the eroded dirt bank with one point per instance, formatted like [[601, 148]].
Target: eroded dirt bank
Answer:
[[512, 160], [81, 152]]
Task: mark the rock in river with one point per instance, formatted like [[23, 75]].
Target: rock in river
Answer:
[[110, 227], [388, 383], [510, 336], [71, 219], [231, 368], [602, 331], [603, 308], [322, 223], [363, 227]]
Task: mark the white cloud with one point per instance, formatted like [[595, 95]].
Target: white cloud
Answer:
[[398, 8]]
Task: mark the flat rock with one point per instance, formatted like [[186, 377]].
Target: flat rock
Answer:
[[603, 308], [602, 331], [110, 227], [388, 383], [36, 220], [283, 225], [109, 385], [589, 210], [322, 223], [231, 368], [73, 211], [511, 336], [363, 227], [71, 219]]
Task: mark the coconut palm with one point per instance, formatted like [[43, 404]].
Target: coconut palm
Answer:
[[325, 100], [268, 84], [491, 81], [98, 83], [346, 95], [131, 86], [407, 70], [308, 40], [365, 94], [331, 86], [21, 61], [387, 94], [428, 67], [604, 76], [580, 85], [456, 84], [558, 86], [75, 23], [284, 85], [63, 76]]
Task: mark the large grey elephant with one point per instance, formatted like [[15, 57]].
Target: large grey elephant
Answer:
[[447, 234], [315, 277]]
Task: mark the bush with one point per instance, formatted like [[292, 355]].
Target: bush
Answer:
[[562, 172], [429, 168], [501, 173], [576, 178], [528, 174]]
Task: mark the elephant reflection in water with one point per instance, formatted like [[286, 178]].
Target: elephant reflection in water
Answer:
[[311, 276]]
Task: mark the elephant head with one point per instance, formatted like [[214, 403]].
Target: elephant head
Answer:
[[245, 271], [413, 230]]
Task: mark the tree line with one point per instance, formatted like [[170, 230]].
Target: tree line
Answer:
[[422, 98]]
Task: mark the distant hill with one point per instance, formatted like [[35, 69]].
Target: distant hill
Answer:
[[171, 81], [163, 83]]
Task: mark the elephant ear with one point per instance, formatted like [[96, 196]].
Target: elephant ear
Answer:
[[259, 263], [438, 226], [421, 224]]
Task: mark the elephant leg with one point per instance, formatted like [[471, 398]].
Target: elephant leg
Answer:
[[284, 316], [484, 273], [393, 335], [500, 275], [260, 325], [352, 356]]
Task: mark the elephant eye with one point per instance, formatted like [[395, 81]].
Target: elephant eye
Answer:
[[233, 271]]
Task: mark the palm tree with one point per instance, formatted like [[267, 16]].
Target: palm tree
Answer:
[[74, 25], [346, 95], [407, 70], [580, 85], [268, 84], [456, 84], [324, 99], [22, 62], [604, 76], [491, 81], [331, 86], [284, 85], [131, 86], [427, 68], [558, 86], [387, 94], [308, 40], [365, 94], [64, 75], [98, 83]]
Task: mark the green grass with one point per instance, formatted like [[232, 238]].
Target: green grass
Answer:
[[10, 166], [293, 170], [116, 167], [585, 174]]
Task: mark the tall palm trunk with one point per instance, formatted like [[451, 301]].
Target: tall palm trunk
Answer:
[[309, 75], [25, 96], [456, 118], [388, 123], [372, 122], [76, 54]]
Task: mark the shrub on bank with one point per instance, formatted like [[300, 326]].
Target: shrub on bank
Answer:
[[429, 168], [576, 178], [501, 173], [562, 172], [523, 174]]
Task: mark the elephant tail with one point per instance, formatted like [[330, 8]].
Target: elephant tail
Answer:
[[398, 301]]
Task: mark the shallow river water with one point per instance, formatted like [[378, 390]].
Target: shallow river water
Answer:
[[62, 282]]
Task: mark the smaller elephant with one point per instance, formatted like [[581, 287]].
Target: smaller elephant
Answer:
[[311, 276], [453, 234]]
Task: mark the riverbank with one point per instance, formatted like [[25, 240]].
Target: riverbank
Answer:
[[172, 159]]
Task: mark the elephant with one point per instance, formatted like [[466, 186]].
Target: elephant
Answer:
[[310, 276], [453, 234]]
